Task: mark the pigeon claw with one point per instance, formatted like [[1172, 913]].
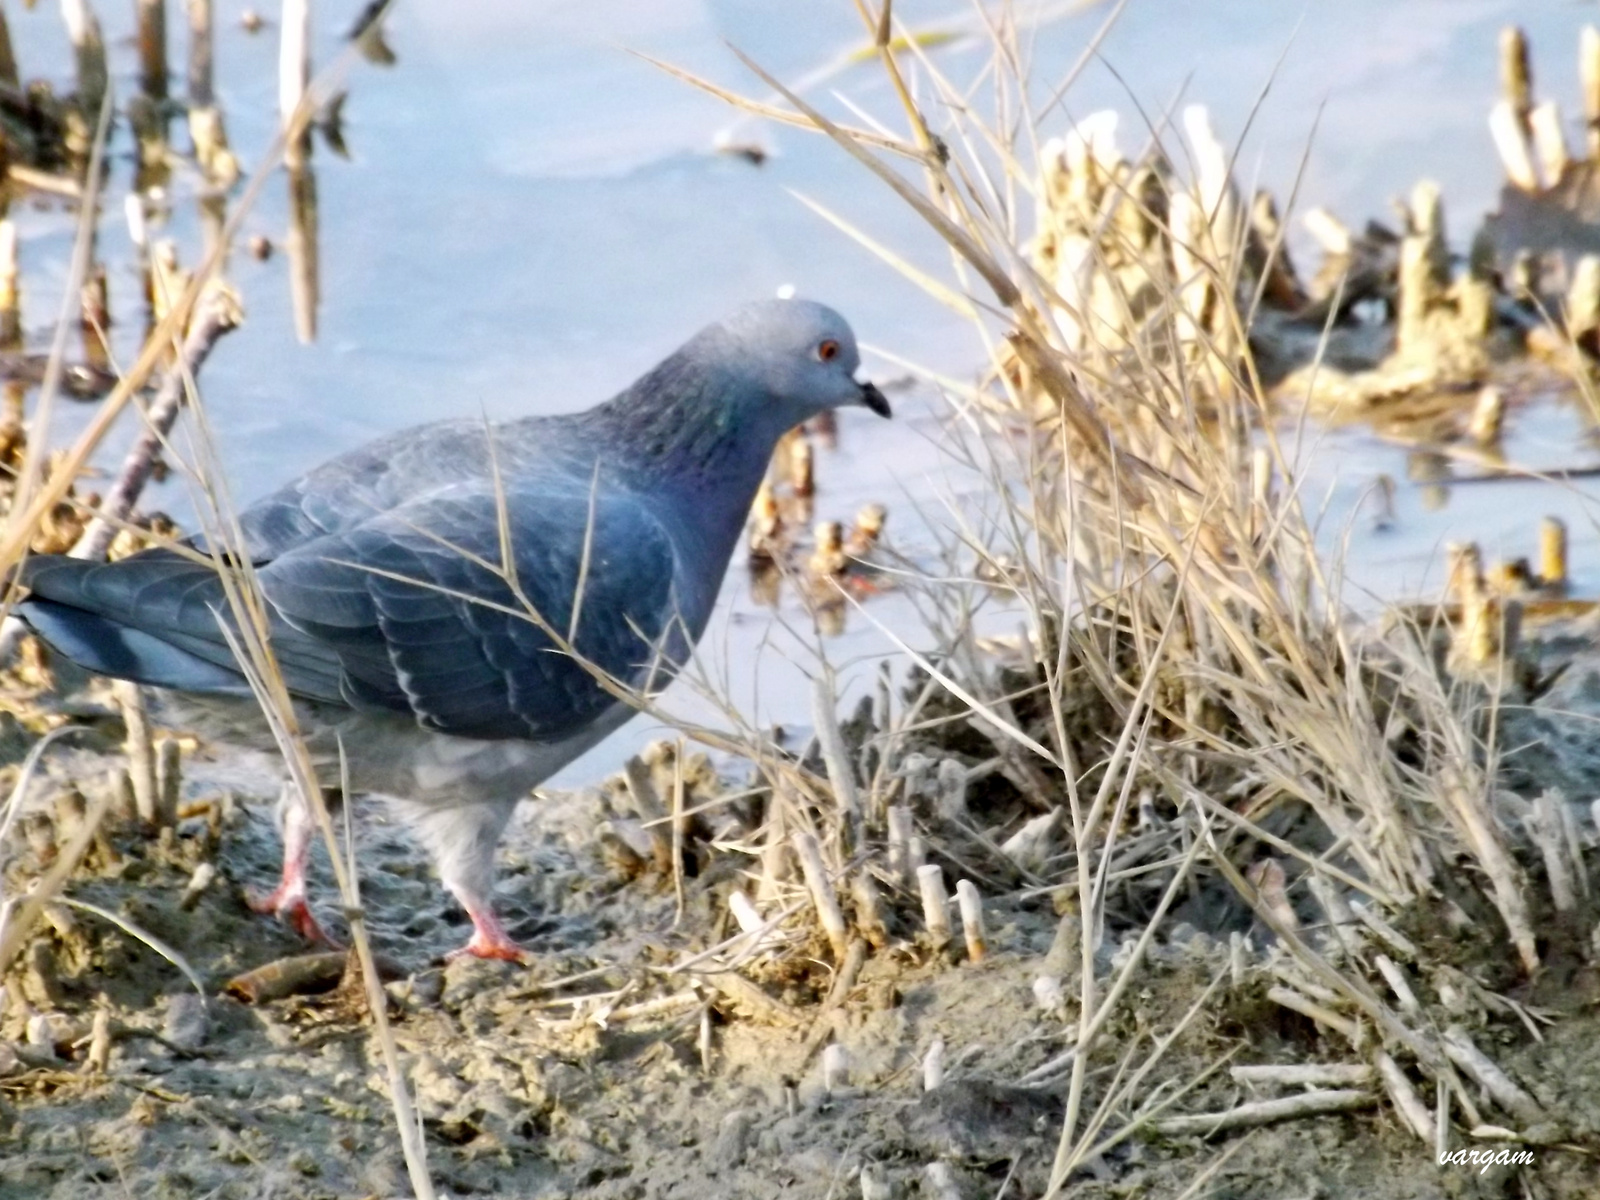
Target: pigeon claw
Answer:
[[496, 946], [291, 909], [489, 939]]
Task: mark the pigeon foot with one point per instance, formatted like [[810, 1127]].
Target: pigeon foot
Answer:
[[490, 940], [289, 905]]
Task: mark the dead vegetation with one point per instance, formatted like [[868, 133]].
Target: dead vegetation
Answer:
[[1194, 854]]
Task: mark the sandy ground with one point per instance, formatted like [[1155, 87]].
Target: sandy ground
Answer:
[[662, 1086]]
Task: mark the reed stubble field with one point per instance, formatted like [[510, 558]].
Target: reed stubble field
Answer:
[[1200, 886]]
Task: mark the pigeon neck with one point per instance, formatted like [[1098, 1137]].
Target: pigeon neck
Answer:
[[685, 432]]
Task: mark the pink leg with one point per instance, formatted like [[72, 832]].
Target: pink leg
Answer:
[[489, 937], [288, 900]]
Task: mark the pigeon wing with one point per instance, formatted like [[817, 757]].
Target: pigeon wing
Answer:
[[417, 613]]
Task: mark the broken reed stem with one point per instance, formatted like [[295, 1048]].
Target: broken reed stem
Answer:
[[217, 312], [294, 74], [202, 93], [8, 57], [169, 780], [152, 36], [972, 927], [935, 904], [901, 831], [1413, 1112], [869, 909], [933, 1065], [647, 804], [1553, 554], [822, 893], [89, 53], [140, 751], [835, 1067], [10, 287]]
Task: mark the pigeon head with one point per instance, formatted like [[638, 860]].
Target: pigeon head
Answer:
[[798, 357]]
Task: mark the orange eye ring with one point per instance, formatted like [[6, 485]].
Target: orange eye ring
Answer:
[[828, 350]]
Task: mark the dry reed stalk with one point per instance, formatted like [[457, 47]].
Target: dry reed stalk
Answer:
[[1265, 1112], [152, 38], [831, 916], [217, 313], [835, 758], [1459, 1048]]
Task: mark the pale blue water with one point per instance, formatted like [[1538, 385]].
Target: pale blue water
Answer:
[[532, 215]]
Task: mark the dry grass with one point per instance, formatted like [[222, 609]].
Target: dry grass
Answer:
[[1189, 671], [1189, 651]]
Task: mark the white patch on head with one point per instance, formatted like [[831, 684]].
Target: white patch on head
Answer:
[[786, 292]]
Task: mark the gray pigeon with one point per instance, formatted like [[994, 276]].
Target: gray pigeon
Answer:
[[398, 632]]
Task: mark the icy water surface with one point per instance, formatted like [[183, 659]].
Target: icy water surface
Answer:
[[531, 215]]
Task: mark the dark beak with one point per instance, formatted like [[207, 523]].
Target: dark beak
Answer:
[[874, 399]]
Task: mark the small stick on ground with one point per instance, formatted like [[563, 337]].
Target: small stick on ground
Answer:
[[1413, 1112], [202, 878], [1459, 1049], [1303, 1074], [1265, 1112], [1292, 999]]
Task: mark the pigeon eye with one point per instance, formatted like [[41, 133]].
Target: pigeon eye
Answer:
[[828, 350]]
